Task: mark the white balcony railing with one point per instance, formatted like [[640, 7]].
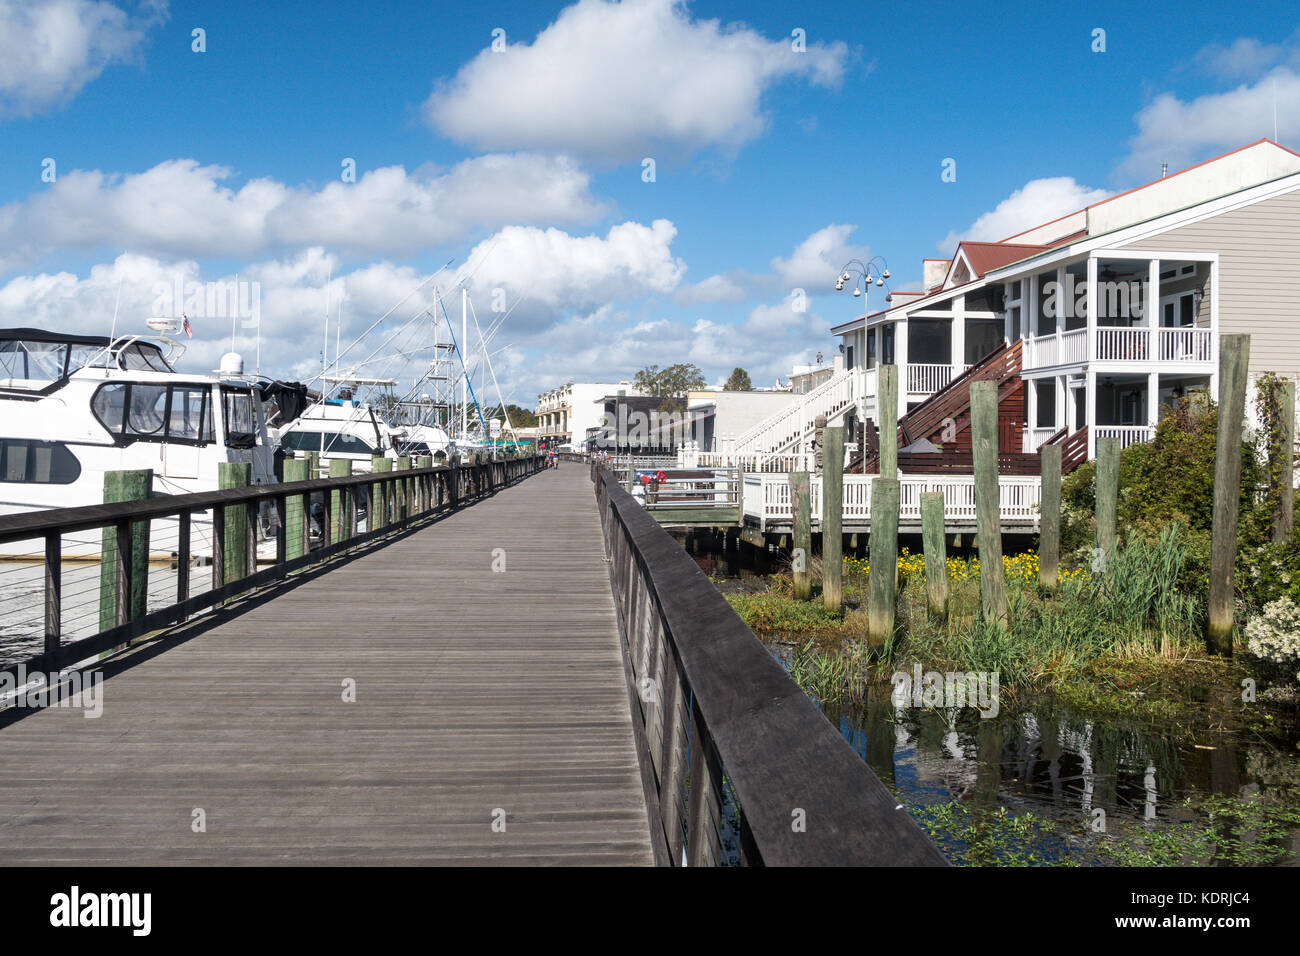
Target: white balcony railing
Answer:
[[1127, 434], [1186, 345], [1119, 345], [1035, 438], [767, 498], [927, 379]]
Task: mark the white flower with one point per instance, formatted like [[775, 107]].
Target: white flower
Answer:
[[1274, 635]]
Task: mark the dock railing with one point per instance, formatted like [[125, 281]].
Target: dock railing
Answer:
[[712, 707], [397, 500]]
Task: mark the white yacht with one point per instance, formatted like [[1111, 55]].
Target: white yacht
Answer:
[[430, 440], [339, 428], [73, 407]]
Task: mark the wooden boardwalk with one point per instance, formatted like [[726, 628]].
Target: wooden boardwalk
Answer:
[[476, 692]]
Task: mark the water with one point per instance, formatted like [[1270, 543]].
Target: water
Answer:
[[22, 602], [1097, 784], [1063, 768]]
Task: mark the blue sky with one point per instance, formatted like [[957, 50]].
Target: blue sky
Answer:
[[525, 166]]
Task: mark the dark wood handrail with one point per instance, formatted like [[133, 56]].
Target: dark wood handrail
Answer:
[[710, 702], [398, 500]]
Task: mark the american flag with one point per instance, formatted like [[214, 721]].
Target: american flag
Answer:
[[185, 325]]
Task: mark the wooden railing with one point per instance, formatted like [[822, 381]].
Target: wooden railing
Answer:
[[1018, 498], [396, 500], [1120, 344], [998, 366], [927, 379], [711, 707]]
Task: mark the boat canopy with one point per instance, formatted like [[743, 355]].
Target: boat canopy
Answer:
[[35, 358]]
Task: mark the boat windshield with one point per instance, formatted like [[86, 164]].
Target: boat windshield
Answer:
[[35, 358]]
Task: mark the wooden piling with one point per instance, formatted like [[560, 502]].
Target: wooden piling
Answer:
[[882, 558], [235, 474], [801, 505], [125, 486], [295, 515], [1234, 357], [833, 518], [1284, 519], [1107, 495], [936, 555], [403, 487], [887, 415], [424, 499], [1049, 518], [984, 448], [381, 508], [341, 500]]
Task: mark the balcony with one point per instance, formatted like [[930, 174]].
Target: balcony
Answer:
[[1113, 344]]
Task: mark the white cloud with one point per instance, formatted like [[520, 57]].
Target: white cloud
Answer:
[[50, 49], [1181, 132], [554, 271], [1247, 57], [716, 288], [293, 295], [1037, 202], [180, 208], [557, 274], [621, 81], [816, 261]]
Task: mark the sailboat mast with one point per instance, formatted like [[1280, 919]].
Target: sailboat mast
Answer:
[[464, 379]]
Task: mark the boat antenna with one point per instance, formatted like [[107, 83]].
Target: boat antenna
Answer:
[[234, 316], [112, 332]]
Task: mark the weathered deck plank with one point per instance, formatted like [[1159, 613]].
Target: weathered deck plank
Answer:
[[475, 691]]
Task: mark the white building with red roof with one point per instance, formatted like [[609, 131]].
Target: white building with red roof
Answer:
[[1090, 323]]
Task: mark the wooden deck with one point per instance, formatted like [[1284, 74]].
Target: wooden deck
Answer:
[[475, 691]]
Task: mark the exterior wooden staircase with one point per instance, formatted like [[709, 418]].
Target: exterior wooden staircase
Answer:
[[946, 413]]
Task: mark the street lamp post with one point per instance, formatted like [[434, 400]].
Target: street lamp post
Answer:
[[874, 270]]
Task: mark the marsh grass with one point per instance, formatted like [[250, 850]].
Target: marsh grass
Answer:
[[1131, 608]]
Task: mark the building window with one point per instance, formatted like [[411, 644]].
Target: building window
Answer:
[[37, 462]]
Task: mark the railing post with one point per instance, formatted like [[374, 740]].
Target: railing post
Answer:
[[403, 490], [281, 529], [53, 602], [704, 817], [382, 496], [184, 524], [219, 547], [124, 486]]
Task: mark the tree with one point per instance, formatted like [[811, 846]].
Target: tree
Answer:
[[671, 382], [739, 381]]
